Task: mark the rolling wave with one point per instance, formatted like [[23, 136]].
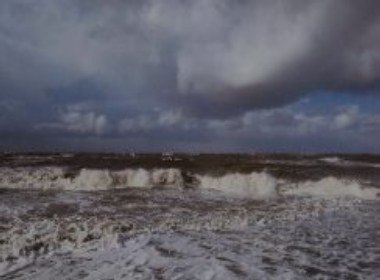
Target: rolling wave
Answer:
[[255, 185]]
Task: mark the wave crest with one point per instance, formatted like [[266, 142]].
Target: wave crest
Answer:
[[331, 187], [253, 186]]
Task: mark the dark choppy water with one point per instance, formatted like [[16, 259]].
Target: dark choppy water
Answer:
[[266, 228]]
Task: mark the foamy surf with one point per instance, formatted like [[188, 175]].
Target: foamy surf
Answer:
[[176, 219], [86, 179], [255, 185], [153, 233], [331, 187]]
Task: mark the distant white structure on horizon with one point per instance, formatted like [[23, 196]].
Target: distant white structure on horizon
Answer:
[[167, 156]]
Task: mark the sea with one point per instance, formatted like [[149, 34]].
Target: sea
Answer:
[[189, 216]]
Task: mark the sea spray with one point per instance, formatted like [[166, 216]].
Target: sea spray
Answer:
[[254, 185]]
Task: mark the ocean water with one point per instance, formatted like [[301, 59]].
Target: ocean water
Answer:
[[297, 218]]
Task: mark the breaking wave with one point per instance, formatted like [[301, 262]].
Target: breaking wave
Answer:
[[344, 162], [254, 185], [331, 187], [87, 179]]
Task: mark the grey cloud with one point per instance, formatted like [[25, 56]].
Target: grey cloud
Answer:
[[78, 119], [223, 57], [345, 129], [186, 68], [159, 120], [284, 129], [347, 117], [275, 122], [287, 121]]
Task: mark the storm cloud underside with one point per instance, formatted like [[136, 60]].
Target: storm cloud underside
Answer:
[[76, 69]]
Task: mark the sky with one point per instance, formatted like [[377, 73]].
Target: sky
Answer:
[[190, 75]]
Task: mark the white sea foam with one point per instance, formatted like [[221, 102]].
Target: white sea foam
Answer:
[[188, 235], [87, 179], [254, 185], [23, 241], [331, 159], [91, 180], [331, 187], [343, 162], [41, 178], [336, 242], [148, 178]]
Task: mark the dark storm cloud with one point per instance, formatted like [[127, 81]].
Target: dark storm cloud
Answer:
[[280, 54], [103, 67], [238, 54]]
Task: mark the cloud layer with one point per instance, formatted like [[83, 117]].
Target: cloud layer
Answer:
[[199, 61]]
